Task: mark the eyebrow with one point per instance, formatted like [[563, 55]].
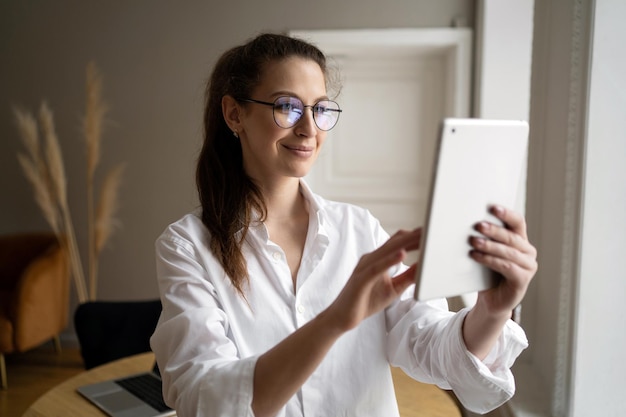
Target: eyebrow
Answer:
[[283, 93]]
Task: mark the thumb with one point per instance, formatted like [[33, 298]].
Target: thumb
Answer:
[[404, 280]]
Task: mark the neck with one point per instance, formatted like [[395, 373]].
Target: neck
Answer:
[[283, 200]]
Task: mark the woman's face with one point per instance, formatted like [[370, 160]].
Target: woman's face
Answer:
[[272, 153]]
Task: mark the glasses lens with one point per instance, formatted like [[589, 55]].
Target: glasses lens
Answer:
[[287, 111], [326, 114]]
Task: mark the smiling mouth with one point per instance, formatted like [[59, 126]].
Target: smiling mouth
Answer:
[[300, 150]]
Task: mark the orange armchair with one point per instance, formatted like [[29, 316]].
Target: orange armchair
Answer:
[[34, 292]]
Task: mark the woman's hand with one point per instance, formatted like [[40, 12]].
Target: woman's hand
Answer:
[[370, 288], [506, 250]]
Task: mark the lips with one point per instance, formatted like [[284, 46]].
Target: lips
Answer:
[[300, 150]]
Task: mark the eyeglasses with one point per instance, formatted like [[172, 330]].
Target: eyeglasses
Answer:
[[288, 110]]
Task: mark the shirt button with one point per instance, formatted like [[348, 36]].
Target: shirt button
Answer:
[[277, 256], [301, 308]]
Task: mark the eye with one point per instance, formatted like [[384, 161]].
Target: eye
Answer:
[[283, 107], [320, 109], [288, 105]]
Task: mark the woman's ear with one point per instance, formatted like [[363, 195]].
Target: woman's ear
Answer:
[[231, 112]]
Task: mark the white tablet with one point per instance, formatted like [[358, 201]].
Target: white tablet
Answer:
[[477, 163]]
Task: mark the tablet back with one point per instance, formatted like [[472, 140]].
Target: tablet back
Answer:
[[478, 163]]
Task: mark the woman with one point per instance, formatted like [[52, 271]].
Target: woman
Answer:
[[279, 302]]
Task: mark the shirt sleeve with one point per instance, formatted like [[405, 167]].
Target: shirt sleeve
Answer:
[[202, 372], [426, 341]]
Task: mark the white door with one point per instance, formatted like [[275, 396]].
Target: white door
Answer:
[[397, 86]]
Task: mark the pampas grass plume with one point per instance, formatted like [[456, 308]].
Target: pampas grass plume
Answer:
[[42, 194], [35, 169], [107, 206], [54, 157], [94, 117], [27, 126]]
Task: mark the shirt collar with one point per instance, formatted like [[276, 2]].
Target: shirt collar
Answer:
[[316, 206], [316, 212]]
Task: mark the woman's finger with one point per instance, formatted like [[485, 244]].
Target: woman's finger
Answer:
[[404, 280], [374, 264], [506, 236], [403, 239], [512, 220], [506, 253], [505, 267]]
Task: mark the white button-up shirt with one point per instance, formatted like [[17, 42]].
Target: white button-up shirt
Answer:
[[208, 337]]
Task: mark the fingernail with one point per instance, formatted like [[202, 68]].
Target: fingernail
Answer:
[[497, 210], [481, 226]]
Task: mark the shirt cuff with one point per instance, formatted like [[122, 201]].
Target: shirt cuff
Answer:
[[484, 385], [229, 392]]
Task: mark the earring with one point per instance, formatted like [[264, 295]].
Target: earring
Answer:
[[235, 134]]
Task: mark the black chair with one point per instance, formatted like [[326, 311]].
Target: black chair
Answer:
[[110, 330]]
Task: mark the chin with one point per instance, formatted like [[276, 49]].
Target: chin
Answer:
[[298, 175], [299, 171]]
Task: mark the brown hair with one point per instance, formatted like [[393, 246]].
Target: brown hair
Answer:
[[228, 196]]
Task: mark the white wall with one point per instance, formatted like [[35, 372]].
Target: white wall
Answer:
[[504, 32], [600, 337], [576, 202]]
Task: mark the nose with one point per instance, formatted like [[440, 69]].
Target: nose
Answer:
[[306, 125]]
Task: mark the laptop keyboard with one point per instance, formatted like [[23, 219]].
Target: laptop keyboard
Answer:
[[146, 387]]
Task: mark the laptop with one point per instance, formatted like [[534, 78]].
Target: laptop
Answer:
[[137, 395], [477, 163]]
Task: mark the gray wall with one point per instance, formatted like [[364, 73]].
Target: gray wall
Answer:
[[155, 57]]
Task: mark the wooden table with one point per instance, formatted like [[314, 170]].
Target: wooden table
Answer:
[[64, 401], [414, 399]]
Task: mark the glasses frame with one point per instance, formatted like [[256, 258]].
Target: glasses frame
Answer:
[[311, 106]]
